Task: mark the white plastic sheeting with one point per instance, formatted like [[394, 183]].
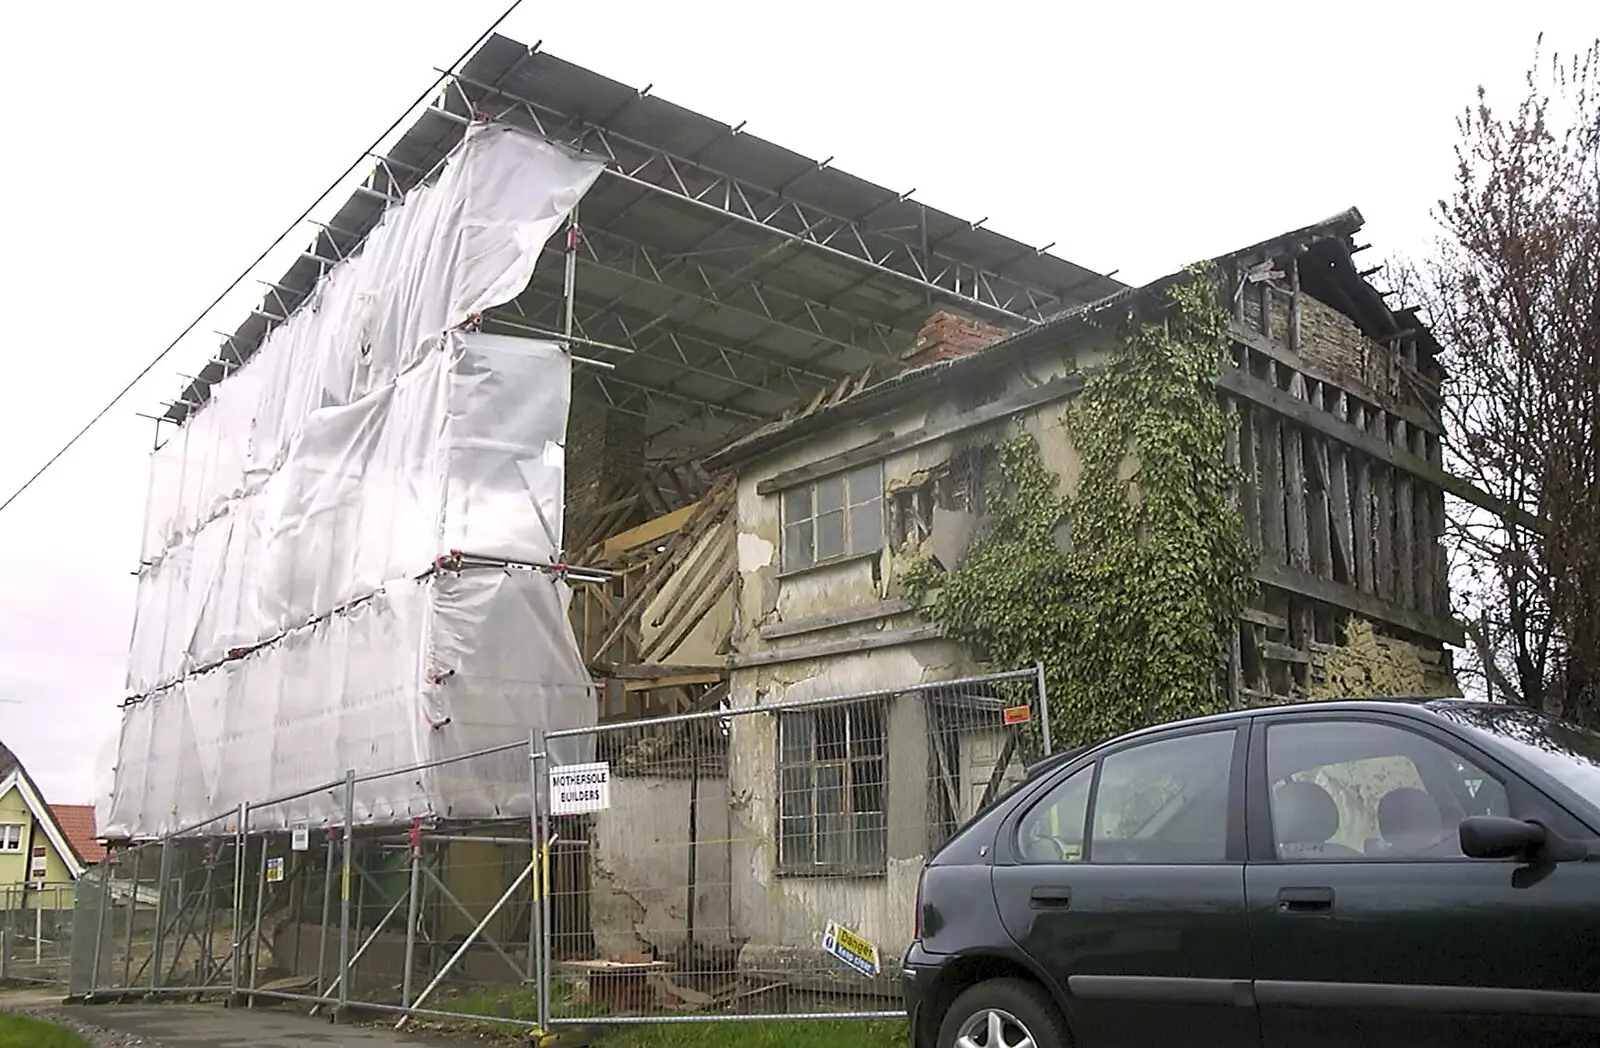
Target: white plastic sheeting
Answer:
[[289, 625]]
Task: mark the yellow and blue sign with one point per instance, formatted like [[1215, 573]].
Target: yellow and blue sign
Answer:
[[851, 948]]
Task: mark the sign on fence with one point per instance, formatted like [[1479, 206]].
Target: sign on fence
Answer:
[[301, 840], [274, 871], [576, 789], [851, 948]]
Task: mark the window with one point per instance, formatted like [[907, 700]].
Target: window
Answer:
[[1164, 801], [1053, 831], [10, 837], [831, 790], [1565, 751], [834, 517], [1362, 790]]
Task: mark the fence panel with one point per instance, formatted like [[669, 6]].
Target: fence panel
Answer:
[[36, 932], [764, 861]]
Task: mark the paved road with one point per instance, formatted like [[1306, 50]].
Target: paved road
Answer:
[[210, 1026]]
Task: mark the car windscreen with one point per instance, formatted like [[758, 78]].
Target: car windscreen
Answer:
[[1562, 750]]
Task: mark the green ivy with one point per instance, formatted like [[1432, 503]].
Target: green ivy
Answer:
[[1131, 621]]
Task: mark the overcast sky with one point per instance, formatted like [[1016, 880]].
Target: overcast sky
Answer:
[[156, 148]]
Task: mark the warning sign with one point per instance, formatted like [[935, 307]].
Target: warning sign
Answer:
[[851, 948], [274, 871], [579, 788], [1018, 714], [301, 840]]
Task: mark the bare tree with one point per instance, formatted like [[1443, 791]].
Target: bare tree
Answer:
[[1512, 290]]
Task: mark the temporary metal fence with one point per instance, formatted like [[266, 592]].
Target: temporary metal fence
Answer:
[[36, 932], [734, 864]]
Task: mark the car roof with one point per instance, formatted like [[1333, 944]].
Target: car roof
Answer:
[[1420, 706]]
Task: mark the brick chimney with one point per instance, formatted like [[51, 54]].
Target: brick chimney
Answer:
[[945, 336]]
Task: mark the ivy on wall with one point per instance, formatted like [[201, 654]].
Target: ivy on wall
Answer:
[[1130, 614]]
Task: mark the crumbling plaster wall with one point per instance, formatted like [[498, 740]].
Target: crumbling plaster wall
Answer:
[[888, 647], [639, 866]]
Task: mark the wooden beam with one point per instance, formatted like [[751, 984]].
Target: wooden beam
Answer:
[[834, 619], [843, 646], [1232, 380], [649, 671], [1056, 389], [684, 681], [648, 532], [1264, 618], [1351, 599], [1278, 351]]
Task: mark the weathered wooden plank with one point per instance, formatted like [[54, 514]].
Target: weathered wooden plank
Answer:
[[1344, 566], [1056, 389], [1362, 524], [689, 612], [650, 671], [1249, 465], [1318, 497], [1277, 350], [842, 646], [1284, 653], [1276, 400], [1296, 525], [682, 681], [834, 619], [649, 531], [1349, 598], [1405, 533], [1266, 619], [1274, 541]]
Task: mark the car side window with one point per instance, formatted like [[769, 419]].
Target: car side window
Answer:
[[1164, 801], [1361, 790], [1053, 830]]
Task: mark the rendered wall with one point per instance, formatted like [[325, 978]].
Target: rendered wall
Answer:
[[290, 623]]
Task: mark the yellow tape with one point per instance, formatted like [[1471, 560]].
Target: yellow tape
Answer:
[[344, 883]]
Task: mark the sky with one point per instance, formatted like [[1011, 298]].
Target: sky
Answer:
[[157, 148]]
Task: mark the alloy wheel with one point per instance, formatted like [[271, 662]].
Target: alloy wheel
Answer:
[[993, 1028]]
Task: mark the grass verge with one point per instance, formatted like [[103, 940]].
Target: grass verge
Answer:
[[19, 1032]]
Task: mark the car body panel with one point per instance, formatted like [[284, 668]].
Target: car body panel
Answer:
[[1409, 952]]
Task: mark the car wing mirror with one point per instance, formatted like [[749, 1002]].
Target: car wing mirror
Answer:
[[1498, 837]]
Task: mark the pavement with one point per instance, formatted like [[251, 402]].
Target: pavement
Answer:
[[208, 1026]]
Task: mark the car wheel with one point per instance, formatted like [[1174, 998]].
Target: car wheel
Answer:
[[1005, 1013]]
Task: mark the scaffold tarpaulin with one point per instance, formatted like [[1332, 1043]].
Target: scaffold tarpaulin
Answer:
[[299, 611]]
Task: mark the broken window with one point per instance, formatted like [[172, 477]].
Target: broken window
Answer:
[[834, 517], [957, 486], [831, 801]]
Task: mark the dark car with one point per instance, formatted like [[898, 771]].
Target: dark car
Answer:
[[1333, 874]]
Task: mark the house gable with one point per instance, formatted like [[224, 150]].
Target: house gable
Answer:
[[18, 782]]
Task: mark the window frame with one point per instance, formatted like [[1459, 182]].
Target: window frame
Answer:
[[1234, 844], [5, 845], [875, 866], [849, 503], [1522, 799]]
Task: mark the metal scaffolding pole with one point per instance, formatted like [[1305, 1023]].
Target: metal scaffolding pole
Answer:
[[255, 930], [161, 912], [240, 841], [413, 912], [344, 891]]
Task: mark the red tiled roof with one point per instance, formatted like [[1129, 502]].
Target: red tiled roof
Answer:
[[77, 824]]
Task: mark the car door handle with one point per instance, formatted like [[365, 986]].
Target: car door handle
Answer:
[[1305, 900], [1050, 898]]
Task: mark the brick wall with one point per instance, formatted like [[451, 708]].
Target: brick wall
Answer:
[[605, 457], [945, 336]]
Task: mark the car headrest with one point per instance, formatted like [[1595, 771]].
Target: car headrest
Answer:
[[1304, 813]]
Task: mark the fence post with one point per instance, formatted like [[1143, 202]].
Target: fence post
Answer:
[[234, 960], [5, 940], [413, 910], [1044, 705], [156, 951], [344, 891], [255, 929], [536, 925], [540, 763], [100, 921]]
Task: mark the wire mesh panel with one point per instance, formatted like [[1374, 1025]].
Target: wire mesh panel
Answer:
[[764, 861], [36, 932]]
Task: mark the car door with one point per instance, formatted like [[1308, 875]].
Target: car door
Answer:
[[1140, 920], [1369, 926]]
